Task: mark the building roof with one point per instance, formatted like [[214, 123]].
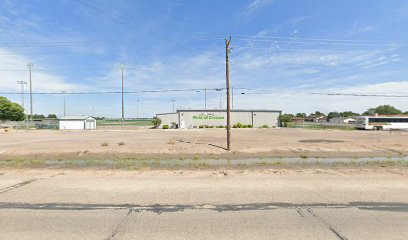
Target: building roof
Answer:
[[75, 118]]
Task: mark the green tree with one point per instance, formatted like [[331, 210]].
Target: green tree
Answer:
[[347, 114], [156, 122], [301, 115], [51, 115], [10, 111], [285, 118], [37, 116], [383, 110], [333, 115]]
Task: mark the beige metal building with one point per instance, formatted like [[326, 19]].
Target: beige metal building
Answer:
[[196, 118]]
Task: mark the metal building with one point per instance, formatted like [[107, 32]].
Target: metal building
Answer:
[[77, 123], [195, 118]]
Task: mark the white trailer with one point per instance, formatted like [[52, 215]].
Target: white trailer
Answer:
[[77, 123]]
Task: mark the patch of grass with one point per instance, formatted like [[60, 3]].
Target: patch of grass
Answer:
[[303, 156], [264, 126], [196, 157], [104, 144], [121, 143]]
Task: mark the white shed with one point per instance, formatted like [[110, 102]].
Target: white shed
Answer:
[[77, 123]]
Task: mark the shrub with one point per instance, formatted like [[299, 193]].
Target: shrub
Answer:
[[201, 126], [165, 126], [104, 144], [244, 126], [238, 125], [250, 126], [210, 126], [121, 143], [264, 126], [156, 122], [220, 126]]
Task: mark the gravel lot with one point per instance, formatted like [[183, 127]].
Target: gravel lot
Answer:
[[207, 143]]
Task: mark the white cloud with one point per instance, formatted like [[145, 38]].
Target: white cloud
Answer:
[[254, 5], [13, 69]]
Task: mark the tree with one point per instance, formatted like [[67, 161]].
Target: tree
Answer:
[[156, 122], [285, 118], [51, 115], [37, 116], [333, 115], [10, 111], [317, 114], [301, 115], [383, 110], [347, 114]]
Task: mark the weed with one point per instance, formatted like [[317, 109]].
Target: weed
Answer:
[[303, 156], [196, 157], [121, 143], [104, 144]]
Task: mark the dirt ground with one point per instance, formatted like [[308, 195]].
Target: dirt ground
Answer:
[[202, 143]]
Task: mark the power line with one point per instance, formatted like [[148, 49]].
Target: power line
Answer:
[[120, 92], [249, 37]]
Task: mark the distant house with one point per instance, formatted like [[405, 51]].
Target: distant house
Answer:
[[349, 121], [77, 123], [316, 118]]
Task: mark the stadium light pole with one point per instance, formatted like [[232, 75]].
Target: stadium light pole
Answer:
[[30, 67], [137, 108], [22, 83], [65, 107], [122, 67]]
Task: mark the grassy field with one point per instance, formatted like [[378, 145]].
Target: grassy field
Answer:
[[127, 122], [320, 126]]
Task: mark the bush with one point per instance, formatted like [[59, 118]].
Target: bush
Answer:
[[156, 122], [250, 126], [264, 126], [220, 126], [201, 126], [244, 126], [238, 125], [210, 126], [165, 126]]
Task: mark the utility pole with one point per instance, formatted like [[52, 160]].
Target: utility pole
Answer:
[[137, 108], [227, 52], [65, 108], [22, 83], [123, 102], [205, 98], [30, 66], [173, 103]]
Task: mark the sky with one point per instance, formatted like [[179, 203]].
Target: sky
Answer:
[[289, 55]]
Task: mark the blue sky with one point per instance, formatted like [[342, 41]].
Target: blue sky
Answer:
[[282, 52]]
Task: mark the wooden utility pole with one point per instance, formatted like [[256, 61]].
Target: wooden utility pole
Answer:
[[227, 51]]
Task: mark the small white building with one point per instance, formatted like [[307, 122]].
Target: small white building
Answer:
[[77, 123]]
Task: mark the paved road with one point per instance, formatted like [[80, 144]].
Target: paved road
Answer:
[[54, 204]]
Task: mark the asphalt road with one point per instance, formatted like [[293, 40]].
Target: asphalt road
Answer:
[[55, 204]]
